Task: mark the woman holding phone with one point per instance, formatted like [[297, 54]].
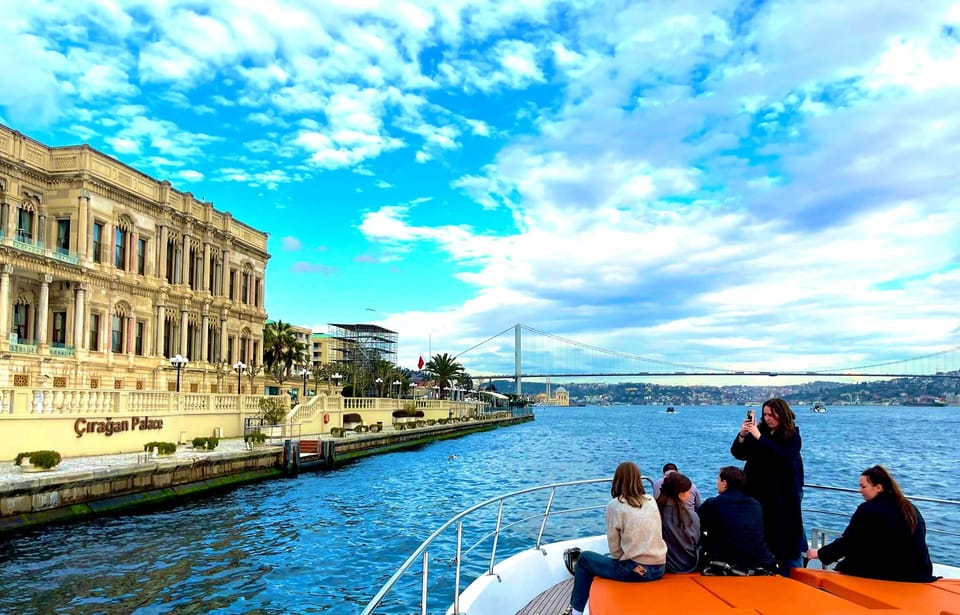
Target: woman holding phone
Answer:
[[774, 472]]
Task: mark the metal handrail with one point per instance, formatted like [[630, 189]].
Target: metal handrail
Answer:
[[422, 552]]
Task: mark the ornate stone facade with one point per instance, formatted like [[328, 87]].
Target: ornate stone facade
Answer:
[[105, 273]]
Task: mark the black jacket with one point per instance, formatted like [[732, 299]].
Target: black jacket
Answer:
[[732, 525], [774, 471], [878, 544]]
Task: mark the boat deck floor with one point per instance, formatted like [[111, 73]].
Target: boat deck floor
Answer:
[[551, 602]]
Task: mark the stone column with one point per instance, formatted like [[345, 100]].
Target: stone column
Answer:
[[204, 336], [132, 253], [185, 260], [223, 339], [225, 274], [162, 267], [78, 309], [131, 334], [44, 308], [161, 324], [5, 271], [83, 228], [204, 263], [107, 244], [183, 332]]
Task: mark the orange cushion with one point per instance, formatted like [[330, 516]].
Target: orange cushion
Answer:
[[811, 576], [912, 597], [776, 594], [674, 593]]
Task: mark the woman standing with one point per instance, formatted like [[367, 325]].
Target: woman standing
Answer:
[[681, 524], [774, 472], [637, 550], [886, 537]]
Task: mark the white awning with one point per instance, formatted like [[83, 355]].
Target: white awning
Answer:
[[494, 395]]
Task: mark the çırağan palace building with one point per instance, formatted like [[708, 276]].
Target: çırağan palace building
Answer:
[[106, 273]]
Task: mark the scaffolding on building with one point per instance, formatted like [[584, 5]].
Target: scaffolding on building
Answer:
[[359, 345]]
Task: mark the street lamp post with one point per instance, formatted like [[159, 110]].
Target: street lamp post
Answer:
[[239, 367], [336, 379], [379, 382], [305, 373], [178, 362], [396, 383]]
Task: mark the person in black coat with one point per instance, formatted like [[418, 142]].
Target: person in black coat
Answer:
[[774, 471], [732, 525], [886, 538]]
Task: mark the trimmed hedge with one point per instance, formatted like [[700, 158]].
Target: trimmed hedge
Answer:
[[163, 448], [205, 444], [42, 459], [257, 437]]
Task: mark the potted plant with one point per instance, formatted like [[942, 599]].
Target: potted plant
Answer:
[[37, 461], [405, 415], [205, 444]]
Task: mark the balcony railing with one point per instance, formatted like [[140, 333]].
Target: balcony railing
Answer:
[[59, 349]]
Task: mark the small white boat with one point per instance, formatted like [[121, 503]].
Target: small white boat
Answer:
[[523, 573], [818, 407]]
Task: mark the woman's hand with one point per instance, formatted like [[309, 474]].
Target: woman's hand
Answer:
[[751, 428], [813, 554]]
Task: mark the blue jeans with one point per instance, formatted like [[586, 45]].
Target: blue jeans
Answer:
[[784, 566], [593, 564]]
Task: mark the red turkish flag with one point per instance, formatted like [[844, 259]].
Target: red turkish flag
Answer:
[[420, 363]]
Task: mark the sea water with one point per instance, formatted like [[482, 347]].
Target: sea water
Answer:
[[325, 541]]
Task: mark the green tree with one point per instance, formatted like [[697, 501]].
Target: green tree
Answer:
[[444, 369], [281, 350]]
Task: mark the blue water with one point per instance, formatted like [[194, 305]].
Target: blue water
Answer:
[[325, 541]]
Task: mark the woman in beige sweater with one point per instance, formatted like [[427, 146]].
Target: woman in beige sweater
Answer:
[[637, 550]]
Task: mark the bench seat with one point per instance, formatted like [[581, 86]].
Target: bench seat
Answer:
[[939, 598]]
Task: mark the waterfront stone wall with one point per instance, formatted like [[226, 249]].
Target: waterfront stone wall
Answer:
[[39, 498]]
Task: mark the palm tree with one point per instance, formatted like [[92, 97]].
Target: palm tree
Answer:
[[444, 369], [281, 350]]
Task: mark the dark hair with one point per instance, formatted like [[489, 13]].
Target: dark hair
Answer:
[[880, 476], [784, 414], [673, 485], [733, 476], [628, 484], [669, 466]]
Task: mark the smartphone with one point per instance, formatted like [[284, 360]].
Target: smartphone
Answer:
[[751, 416]]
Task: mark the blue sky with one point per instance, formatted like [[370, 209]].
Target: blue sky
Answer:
[[759, 185]]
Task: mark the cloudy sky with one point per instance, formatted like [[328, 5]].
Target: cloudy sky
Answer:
[[758, 185]]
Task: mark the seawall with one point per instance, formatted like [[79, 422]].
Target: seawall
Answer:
[[33, 499]]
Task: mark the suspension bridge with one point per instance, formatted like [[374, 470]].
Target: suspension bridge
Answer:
[[536, 354]]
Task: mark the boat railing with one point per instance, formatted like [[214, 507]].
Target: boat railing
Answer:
[[819, 534], [422, 553], [550, 510]]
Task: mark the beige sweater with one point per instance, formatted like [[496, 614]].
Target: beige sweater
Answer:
[[635, 533]]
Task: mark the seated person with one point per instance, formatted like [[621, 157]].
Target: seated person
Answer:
[[637, 550], [732, 525], [693, 502], [886, 537], [681, 524]]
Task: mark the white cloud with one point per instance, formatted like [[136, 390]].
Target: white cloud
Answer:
[[290, 244]]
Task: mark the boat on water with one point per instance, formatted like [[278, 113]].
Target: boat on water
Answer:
[[819, 407], [671, 410], [523, 536]]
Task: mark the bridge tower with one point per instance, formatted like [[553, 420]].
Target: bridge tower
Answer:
[[516, 365]]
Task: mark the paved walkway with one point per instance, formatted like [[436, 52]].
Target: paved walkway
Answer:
[[11, 473]]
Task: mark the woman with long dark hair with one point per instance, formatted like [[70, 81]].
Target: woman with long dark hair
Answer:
[[774, 472], [637, 550], [886, 537], [681, 524]]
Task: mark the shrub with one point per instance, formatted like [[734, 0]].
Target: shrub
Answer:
[[257, 437], [163, 448], [418, 414], [42, 459], [205, 444], [273, 410]]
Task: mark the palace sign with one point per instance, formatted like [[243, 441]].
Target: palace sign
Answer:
[[109, 426]]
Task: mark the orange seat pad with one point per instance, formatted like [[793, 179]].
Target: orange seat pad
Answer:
[[677, 594], [776, 594], [938, 597]]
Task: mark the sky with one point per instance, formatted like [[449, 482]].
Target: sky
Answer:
[[746, 185]]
